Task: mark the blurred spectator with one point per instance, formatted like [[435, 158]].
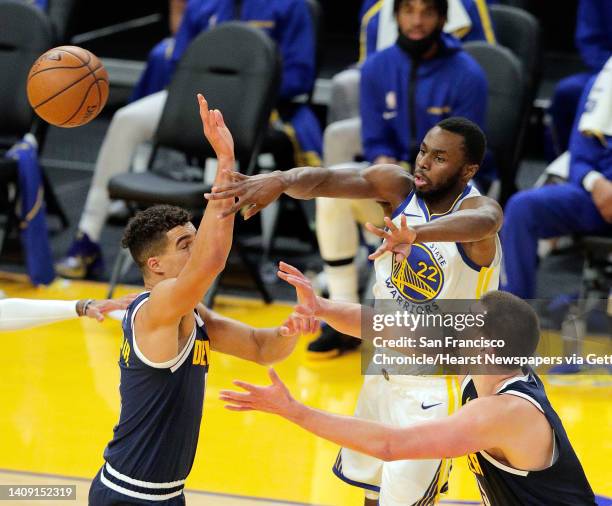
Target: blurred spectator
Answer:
[[405, 90], [582, 205], [467, 20], [159, 62], [594, 41], [289, 23]]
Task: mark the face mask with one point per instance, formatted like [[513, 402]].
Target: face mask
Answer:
[[417, 48]]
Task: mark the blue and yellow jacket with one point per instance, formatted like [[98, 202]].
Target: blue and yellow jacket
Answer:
[[588, 152], [594, 32], [288, 22], [477, 10], [401, 101]]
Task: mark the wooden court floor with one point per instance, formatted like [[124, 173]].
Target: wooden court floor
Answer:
[[59, 398]]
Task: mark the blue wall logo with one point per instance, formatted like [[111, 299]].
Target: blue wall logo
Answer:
[[419, 278]]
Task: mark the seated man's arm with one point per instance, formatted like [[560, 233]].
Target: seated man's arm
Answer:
[[297, 48], [592, 39], [263, 346], [190, 26], [472, 91], [377, 130], [482, 26]]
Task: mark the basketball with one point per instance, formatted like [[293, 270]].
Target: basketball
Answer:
[[67, 86]]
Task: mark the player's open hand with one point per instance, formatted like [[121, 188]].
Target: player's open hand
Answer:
[[308, 303], [253, 192], [215, 130], [298, 324], [98, 308], [274, 398], [396, 240]]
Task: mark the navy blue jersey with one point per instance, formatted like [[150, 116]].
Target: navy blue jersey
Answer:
[[154, 443], [562, 484]]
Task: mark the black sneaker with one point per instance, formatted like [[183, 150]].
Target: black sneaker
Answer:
[[331, 344]]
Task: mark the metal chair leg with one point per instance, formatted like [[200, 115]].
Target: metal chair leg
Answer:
[[122, 263]]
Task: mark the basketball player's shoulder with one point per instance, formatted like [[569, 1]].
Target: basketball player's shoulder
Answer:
[[392, 181]]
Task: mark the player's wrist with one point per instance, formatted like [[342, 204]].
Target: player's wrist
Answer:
[[293, 411], [83, 305], [592, 179]]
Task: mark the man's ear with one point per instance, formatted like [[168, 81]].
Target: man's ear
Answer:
[[153, 264], [468, 172]]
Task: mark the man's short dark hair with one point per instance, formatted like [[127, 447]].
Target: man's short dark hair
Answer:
[[512, 320], [440, 5], [145, 234], [474, 140]]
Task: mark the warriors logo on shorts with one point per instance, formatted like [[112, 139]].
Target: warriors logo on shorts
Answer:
[[419, 278]]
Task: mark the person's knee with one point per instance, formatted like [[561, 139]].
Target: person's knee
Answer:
[[567, 91], [331, 210], [342, 141], [523, 207]]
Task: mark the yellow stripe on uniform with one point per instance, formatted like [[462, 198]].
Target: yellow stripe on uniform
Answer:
[[452, 389], [363, 34], [482, 277], [485, 19]]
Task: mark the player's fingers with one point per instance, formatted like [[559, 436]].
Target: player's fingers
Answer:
[[246, 386], [390, 225], [252, 211], [274, 377], [219, 118], [230, 407], [317, 326], [285, 330], [236, 176], [288, 278], [404, 224], [375, 230], [283, 266], [312, 325], [225, 193], [232, 210], [379, 252], [230, 395], [303, 310]]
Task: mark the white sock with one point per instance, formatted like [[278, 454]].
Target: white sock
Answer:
[[343, 282]]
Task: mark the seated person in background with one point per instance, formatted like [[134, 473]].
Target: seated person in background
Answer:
[[159, 61], [582, 205], [467, 20], [594, 41], [406, 90], [289, 24]]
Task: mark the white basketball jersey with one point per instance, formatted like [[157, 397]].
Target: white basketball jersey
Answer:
[[433, 270]]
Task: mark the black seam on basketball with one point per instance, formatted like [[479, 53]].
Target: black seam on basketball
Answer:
[[99, 90], [56, 68], [80, 105], [63, 90], [78, 57]]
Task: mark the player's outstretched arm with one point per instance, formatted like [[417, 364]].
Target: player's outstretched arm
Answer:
[[481, 424], [173, 298], [260, 345], [345, 317], [16, 314], [384, 183]]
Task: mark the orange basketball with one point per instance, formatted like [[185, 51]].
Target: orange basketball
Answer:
[[67, 86]]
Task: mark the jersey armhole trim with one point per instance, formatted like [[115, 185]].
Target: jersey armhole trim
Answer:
[[398, 210], [501, 466], [157, 365]]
